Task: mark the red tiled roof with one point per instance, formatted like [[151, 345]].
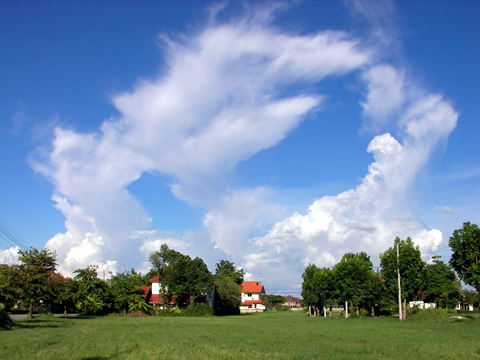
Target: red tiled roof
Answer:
[[145, 290], [250, 302], [154, 279], [252, 287], [158, 299], [290, 298]]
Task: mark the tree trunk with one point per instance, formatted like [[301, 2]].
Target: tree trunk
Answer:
[[30, 310], [192, 301], [404, 315]]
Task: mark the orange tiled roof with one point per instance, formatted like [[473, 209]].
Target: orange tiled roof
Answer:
[[252, 287], [155, 279]]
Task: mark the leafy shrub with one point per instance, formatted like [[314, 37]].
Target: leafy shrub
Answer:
[[364, 313], [5, 322], [279, 307], [414, 310], [448, 311]]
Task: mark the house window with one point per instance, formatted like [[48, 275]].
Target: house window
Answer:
[[249, 295]]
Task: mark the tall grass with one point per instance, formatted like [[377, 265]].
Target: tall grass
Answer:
[[272, 335]]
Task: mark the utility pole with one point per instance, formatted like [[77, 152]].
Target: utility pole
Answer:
[[346, 302], [400, 315], [123, 272]]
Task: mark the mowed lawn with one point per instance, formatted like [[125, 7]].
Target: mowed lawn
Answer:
[[270, 335]]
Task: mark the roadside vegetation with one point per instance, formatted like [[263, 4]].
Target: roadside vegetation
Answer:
[[367, 292]]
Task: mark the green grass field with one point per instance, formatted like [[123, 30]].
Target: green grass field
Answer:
[[270, 335]]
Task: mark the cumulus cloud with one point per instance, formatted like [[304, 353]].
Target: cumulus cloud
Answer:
[[9, 256], [370, 216], [221, 98], [225, 93]]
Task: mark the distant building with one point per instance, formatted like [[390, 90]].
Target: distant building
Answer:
[[291, 302], [251, 297]]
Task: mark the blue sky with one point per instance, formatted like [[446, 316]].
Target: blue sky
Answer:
[[272, 134]]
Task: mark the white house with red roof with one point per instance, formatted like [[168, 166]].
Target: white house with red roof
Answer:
[[153, 295], [251, 297]]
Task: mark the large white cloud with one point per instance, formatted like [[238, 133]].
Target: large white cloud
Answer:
[[221, 98], [225, 94], [370, 216]]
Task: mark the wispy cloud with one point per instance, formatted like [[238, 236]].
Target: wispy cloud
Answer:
[[221, 99], [224, 95]]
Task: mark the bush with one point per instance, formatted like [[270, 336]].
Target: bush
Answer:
[[448, 311], [279, 307], [414, 310], [364, 313], [169, 312], [5, 322]]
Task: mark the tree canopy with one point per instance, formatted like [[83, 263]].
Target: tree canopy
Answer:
[[37, 275], [441, 283], [353, 274], [411, 268], [228, 294], [180, 274], [465, 260]]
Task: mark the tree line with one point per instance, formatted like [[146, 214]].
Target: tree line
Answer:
[[35, 284], [354, 280]]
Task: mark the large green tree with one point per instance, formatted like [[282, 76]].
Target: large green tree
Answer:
[[354, 274], [465, 260], [318, 287], [228, 294], [441, 284], [94, 294], [67, 292], [36, 276], [10, 285], [181, 275], [126, 290], [226, 270], [411, 270]]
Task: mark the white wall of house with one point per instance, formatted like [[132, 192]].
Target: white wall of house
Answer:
[[250, 296], [418, 304], [253, 308]]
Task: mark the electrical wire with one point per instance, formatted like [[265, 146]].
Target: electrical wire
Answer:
[[11, 238]]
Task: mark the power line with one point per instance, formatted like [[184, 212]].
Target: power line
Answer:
[[12, 239]]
